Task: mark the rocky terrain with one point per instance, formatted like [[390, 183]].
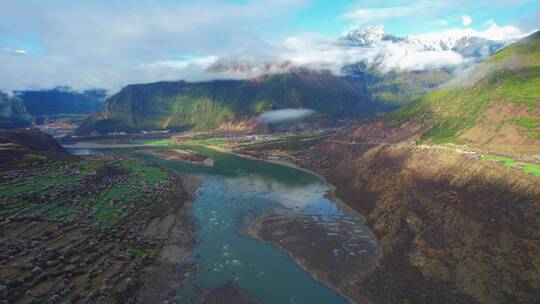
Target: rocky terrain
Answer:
[[93, 229], [453, 228], [337, 253], [226, 293]]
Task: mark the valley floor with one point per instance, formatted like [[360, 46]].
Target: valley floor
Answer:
[[456, 225]]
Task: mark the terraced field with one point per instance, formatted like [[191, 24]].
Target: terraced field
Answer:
[[58, 191], [75, 230]]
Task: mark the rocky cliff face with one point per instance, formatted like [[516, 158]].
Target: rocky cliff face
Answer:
[[453, 229]]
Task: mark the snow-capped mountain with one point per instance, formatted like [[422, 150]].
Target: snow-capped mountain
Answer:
[[374, 49], [467, 43], [368, 36], [467, 46]]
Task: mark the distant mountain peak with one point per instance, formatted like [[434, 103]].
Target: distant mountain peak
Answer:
[[468, 43], [368, 36]]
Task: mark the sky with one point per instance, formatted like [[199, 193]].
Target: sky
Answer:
[[89, 44]]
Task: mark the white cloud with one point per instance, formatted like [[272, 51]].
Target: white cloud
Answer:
[[418, 52], [285, 115], [96, 44], [371, 15], [466, 20], [439, 22], [401, 58], [384, 56], [106, 44], [493, 32], [362, 15], [13, 51], [201, 62]]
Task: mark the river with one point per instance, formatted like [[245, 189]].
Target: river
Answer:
[[234, 190]]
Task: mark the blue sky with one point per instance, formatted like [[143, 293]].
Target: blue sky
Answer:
[[324, 16], [106, 43], [328, 17]]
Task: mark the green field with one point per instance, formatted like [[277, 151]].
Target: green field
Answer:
[[215, 142], [507, 162], [155, 142], [294, 142], [44, 194]]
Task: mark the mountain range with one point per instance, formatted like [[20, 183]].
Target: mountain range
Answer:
[[495, 106], [364, 91], [380, 67], [467, 44], [24, 108]]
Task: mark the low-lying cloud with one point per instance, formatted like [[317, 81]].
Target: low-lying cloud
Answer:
[[285, 115], [102, 44], [431, 51], [109, 44]]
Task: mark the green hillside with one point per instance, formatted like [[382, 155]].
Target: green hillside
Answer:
[[398, 88], [496, 106], [208, 105]]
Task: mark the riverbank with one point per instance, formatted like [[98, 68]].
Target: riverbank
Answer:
[[180, 155], [174, 264], [343, 252], [431, 210]]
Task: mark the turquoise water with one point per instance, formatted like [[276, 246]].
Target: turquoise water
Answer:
[[233, 190]]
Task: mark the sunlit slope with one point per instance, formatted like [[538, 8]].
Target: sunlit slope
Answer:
[[397, 88], [208, 105], [496, 106]]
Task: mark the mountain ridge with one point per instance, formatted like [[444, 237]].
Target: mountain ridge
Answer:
[[209, 105], [496, 107], [467, 43], [36, 107]]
